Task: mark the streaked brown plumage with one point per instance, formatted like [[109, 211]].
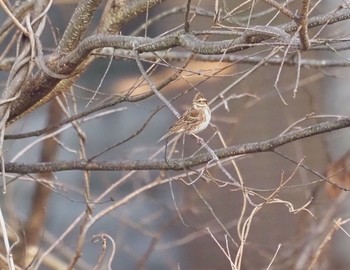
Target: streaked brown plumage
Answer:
[[193, 120]]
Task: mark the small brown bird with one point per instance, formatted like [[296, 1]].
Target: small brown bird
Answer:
[[194, 120]]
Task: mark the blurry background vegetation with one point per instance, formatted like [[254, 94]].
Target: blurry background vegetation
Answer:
[[161, 219]]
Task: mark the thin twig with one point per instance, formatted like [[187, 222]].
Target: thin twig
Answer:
[[102, 80], [282, 9], [187, 12], [153, 87], [14, 19], [9, 257]]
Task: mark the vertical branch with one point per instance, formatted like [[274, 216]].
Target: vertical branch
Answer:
[[187, 24], [82, 154], [9, 257], [303, 34], [36, 219]]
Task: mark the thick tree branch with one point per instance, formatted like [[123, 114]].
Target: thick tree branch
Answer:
[[117, 13], [77, 25], [32, 97], [104, 105], [42, 84], [194, 44], [180, 164]]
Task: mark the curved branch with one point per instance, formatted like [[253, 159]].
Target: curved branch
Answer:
[[180, 164], [41, 85], [329, 18], [117, 13], [18, 13], [193, 44], [77, 25]]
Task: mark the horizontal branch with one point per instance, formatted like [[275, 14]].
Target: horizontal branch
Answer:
[[180, 164], [193, 44], [230, 58]]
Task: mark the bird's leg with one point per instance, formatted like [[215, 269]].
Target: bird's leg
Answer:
[[165, 151], [199, 139], [183, 146]]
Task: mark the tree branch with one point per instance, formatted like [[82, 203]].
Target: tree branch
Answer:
[[303, 33], [77, 25], [180, 164], [41, 85]]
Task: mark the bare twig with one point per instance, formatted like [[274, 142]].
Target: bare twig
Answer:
[[9, 256], [282, 9], [187, 12]]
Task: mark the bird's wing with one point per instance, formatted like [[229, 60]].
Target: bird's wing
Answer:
[[189, 117]]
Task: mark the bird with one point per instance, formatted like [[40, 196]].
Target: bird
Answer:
[[194, 120]]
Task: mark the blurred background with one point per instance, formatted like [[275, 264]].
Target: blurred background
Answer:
[[177, 225]]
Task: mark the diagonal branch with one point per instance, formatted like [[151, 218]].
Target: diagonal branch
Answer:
[[282, 9], [77, 25]]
